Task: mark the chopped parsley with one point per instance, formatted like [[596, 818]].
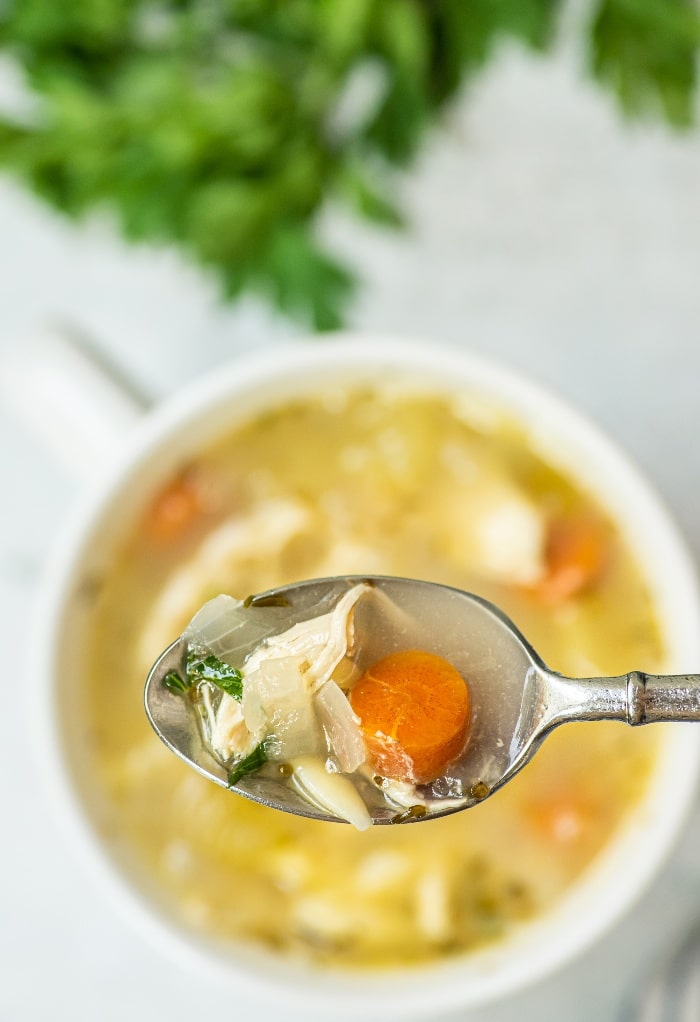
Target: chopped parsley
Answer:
[[210, 668], [207, 668], [253, 761], [175, 683]]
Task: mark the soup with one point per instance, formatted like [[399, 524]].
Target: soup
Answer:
[[383, 482]]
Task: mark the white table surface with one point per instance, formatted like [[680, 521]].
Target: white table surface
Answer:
[[545, 234]]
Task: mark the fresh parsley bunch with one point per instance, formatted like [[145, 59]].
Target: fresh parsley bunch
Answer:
[[225, 126]]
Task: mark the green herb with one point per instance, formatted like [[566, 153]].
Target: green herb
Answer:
[[175, 683], [228, 128], [251, 762], [210, 668], [647, 51]]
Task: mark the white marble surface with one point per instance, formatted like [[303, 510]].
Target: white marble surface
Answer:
[[545, 234]]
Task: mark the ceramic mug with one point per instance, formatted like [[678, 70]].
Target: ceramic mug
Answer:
[[233, 394]]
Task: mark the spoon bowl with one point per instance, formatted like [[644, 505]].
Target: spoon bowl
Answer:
[[516, 700]]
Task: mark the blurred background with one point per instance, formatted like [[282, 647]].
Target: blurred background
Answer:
[[184, 181]]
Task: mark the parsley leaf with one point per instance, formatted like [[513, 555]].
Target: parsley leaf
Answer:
[[175, 683], [647, 51], [227, 129], [210, 668], [253, 761]]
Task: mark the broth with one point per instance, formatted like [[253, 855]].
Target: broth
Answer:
[[385, 483]]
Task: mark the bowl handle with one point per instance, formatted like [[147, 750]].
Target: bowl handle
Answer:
[[78, 404]]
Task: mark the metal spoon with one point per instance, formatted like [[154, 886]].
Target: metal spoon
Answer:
[[517, 700]]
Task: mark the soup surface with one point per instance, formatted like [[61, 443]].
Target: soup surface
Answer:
[[390, 483]]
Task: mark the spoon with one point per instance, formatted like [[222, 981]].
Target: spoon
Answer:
[[516, 699]]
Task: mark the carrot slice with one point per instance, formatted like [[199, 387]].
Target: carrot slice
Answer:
[[576, 555], [562, 820], [414, 714], [176, 507]]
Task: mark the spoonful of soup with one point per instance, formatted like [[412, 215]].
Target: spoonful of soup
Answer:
[[375, 700]]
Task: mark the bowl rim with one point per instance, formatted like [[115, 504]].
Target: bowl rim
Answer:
[[544, 944]]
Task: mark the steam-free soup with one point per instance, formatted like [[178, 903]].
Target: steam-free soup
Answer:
[[355, 482]]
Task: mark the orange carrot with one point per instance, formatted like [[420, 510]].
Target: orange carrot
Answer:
[[576, 554], [414, 714], [176, 507], [561, 820]]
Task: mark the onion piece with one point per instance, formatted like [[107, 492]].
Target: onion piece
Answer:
[[331, 792], [285, 669], [294, 730], [342, 726], [226, 628], [252, 709], [277, 702]]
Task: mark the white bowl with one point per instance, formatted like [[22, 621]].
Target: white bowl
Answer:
[[234, 394]]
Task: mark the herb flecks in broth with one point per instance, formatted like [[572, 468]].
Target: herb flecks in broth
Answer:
[[381, 484]]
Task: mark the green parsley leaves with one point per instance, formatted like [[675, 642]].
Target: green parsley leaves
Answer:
[[207, 668], [175, 683], [226, 129], [228, 679], [210, 668], [250, 763]]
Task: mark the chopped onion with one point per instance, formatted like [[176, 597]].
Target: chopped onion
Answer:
[[253, 711], [279, 678], [276, 702], [294, 730], [226, 628], [342, 726]]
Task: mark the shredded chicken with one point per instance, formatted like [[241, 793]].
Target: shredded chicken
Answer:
[[281, 677]]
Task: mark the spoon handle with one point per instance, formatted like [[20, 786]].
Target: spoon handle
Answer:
[[662, 697], [635, 698]]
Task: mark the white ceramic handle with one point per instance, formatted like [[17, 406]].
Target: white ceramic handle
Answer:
[[71, 397]]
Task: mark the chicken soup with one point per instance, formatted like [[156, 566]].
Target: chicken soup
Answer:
[[359, 482]]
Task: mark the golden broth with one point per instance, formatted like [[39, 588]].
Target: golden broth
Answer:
[[359, 483]]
